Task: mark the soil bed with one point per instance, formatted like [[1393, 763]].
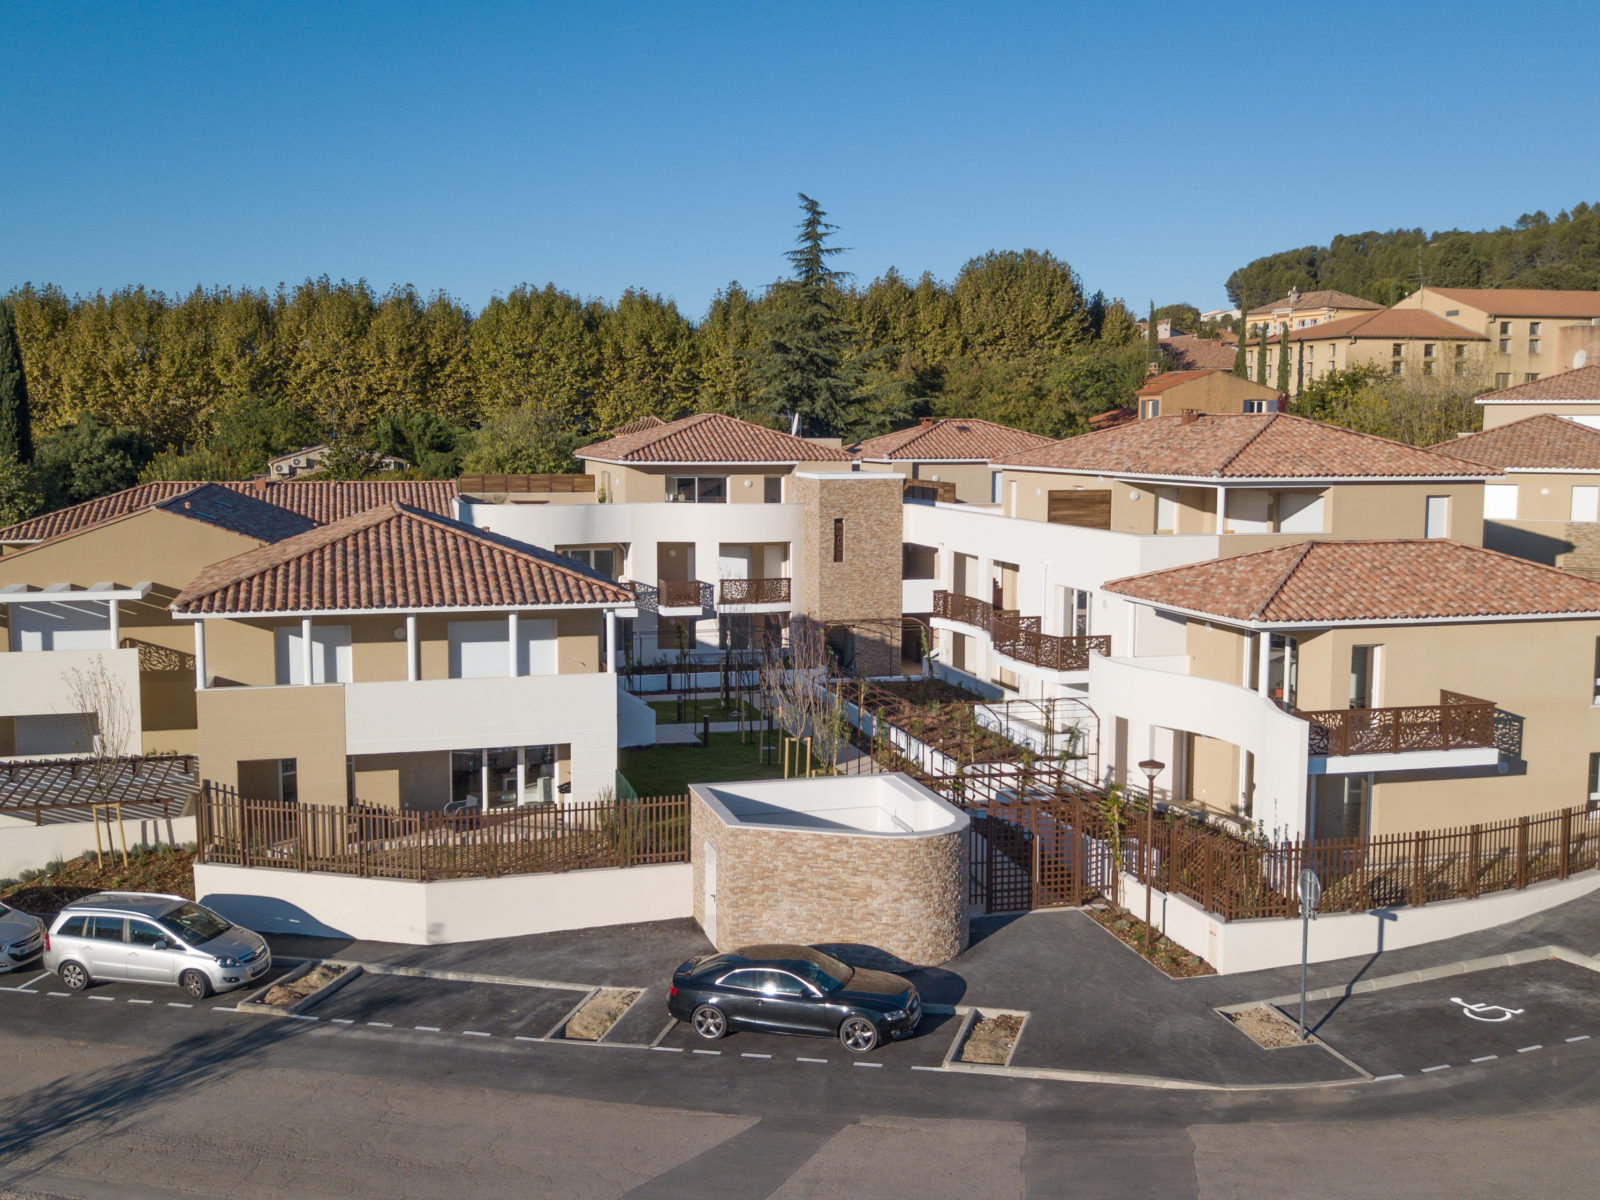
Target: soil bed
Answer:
[[1266, 1027], [295, 990], [991, 1038], [164, 870], [1171, 958], [602, 1010]]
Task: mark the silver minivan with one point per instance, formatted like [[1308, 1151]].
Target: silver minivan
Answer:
[[143, 937]]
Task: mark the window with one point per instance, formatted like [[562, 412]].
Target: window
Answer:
[[72, 927], [697, 489], [838, 539], [1394, 367], [603, 560], [1363, 676], [1505, 328], [1533, 328], [1151, 408], [1530, 377], [994, 487], [1452, 312], [1500, 501], [1427, 366], [106, 929], [745, 981], [1436, 523], [141, 934], [1533, 346], [1255, 406], [1594, 780], [779, 983], [772, 489], [330, 654], [1502, 379], [1585, 503], [1505, 345], [1427, 349], [1397, 350]]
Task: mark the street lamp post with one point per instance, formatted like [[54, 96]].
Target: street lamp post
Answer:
[[1151, 768]]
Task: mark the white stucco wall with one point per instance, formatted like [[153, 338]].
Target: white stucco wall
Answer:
[[457, 910], [25, 846], [34, 683]]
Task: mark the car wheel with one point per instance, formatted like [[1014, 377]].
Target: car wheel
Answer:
[[73, 976], [858, 1034], [196, 984], [709, 1022]]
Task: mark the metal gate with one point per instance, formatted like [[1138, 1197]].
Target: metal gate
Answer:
[[1032, 853]]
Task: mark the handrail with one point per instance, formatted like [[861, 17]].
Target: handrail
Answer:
[[1018, 637], [753, 591], [1457, 722], [679, 593]]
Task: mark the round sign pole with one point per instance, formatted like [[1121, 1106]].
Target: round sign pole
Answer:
[[1310, 895]]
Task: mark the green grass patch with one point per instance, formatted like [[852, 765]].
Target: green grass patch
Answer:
[[669, 770], [667, 710]]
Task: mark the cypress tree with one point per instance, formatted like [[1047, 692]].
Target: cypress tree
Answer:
[[16, 430], [1283, 359], [1241, 353], [1261, 358], [1152, 337]]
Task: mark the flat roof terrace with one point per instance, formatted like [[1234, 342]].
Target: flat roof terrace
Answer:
[[890, 805]]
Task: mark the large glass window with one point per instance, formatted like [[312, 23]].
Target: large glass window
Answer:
[[598, 558], [698, 489]]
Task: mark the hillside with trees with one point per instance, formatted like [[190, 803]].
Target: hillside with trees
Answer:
[[1537, 252], [136, 384]]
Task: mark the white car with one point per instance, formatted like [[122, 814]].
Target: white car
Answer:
[[21, 939]]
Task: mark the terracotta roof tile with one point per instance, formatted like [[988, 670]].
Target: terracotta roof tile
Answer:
[[954, 439], [1157, 384], [394, 557], [1314, 300], [240, 511], [1390, 323], [1241, 446], [1544, 442], [1526, 302], [1112, 416], [648, 421], [1315, 583], [319, 501], [1581, 384], [710, 438], [1190, 353]]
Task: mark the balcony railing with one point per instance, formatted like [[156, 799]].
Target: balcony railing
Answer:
[[753, 591], [682, 593], [1457, 722], [1018, 637]]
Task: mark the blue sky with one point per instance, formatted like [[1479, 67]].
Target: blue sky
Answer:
[[660, 145]]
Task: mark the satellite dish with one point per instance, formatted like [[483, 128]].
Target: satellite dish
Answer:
[[1578, 359]]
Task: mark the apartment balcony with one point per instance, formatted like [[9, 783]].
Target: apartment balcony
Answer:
[[1017, 638], [675, 597], [754, 595], [1459, 731]]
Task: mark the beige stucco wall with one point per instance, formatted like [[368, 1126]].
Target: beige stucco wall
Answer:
[[1312, 358], [971, 478], [645, 485], [1222, 392], [240, 725], [167, 550], [1559, 337], [885, 901], [1504, 414]]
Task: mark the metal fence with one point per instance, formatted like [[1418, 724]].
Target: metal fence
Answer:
[[383, 844]]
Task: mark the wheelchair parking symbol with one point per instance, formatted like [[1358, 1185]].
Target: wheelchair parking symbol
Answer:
[[1486, 1012]]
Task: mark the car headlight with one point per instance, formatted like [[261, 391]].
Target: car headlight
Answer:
[[898, 1014], [226, 960]]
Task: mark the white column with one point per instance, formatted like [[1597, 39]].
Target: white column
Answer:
[[305, 650], [115, 610], [611, 641], [1263, 659], [413, 667], [200, 656], [1133, 624], [511, 647]]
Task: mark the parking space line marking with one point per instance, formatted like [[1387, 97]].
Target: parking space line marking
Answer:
[[474, 1033], [866, 1064], [178, 1004], [141, 1001], [1582, 1037], [342, 1020], [815, 1060], [426, 1028], [301, 1017], [23, 987], [522, 1037], [1527, 1049], [58, 993], [656, 1041], [668, 1049], [1486, 1058], [107, 999], [708, 1051], [1443, 1067], [747, 1055], [1386, 1078], [940, 1070], [380, 1024]]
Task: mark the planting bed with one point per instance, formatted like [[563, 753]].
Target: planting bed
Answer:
[[599, 1013], [992, 1038], [1167, 955]]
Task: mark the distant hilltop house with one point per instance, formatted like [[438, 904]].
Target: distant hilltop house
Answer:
[[1300, 310], [311, 458], [1212, 316]]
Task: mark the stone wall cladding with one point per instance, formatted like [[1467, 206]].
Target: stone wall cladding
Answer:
[[866, 585], [886, 902], [1584, 557]]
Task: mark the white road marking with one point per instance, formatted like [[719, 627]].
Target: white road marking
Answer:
[[708, 1051], [107, 999], [1486, 1058], [755, 1055], [941, 1070], [1527, 1049], [812, 1060], [668, 1049], [22, 987], [58, 994], [342, 1020], [474, 1033], [1582, 1037], [522, 1037], [1444, 1067], [178, 1004], [1386, 1078], [866, 1064], [301, 1017], [1478, 1012], [141, 1001], [380, 1024], [426, 1028]]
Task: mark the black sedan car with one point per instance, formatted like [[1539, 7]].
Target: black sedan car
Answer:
[[792, 989]]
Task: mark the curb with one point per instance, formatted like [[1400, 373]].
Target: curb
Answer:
[[250, 1004], [1466, 966]]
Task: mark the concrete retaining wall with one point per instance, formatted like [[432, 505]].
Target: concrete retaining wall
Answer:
[[24, 846], [456, 910]]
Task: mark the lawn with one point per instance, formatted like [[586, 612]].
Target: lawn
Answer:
[[669, 770], [667, 710]]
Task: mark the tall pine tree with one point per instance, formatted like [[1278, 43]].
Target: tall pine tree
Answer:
[[803, 364], [16, 428], [1261, 358], [1283, 359], [1241, 351], [1152, 350]]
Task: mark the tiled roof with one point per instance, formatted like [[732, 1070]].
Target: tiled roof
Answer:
[[1112, 416], [1190, 353], [1525, 302], [1543, 442], [240, 511], [320, 502], [1157, 384], [398, 558], [1389, 323], [1241, 446], [1310, 300], [954, 439], [1320, 582], [1581, 384], [711, 438], [648, 421]]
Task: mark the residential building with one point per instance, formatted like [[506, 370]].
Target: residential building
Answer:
[[1189, 353], [1531, 333], [1548, 506], [1214, 315], [1573, 394], [309, 459], [953, 451], [1209, 390], [86, 587], [1409, 342], [1301, 309], [400, 659], [1340, 689]]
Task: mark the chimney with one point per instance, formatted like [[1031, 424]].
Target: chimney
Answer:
[[925, 421], [1188, 417]]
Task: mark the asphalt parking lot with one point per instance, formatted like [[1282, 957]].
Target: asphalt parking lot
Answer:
[[43, 983], [1421, 1028], [448, 1006], [925, 1048]]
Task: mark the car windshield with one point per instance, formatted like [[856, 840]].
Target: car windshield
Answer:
[[195, 924], [823, 972]]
